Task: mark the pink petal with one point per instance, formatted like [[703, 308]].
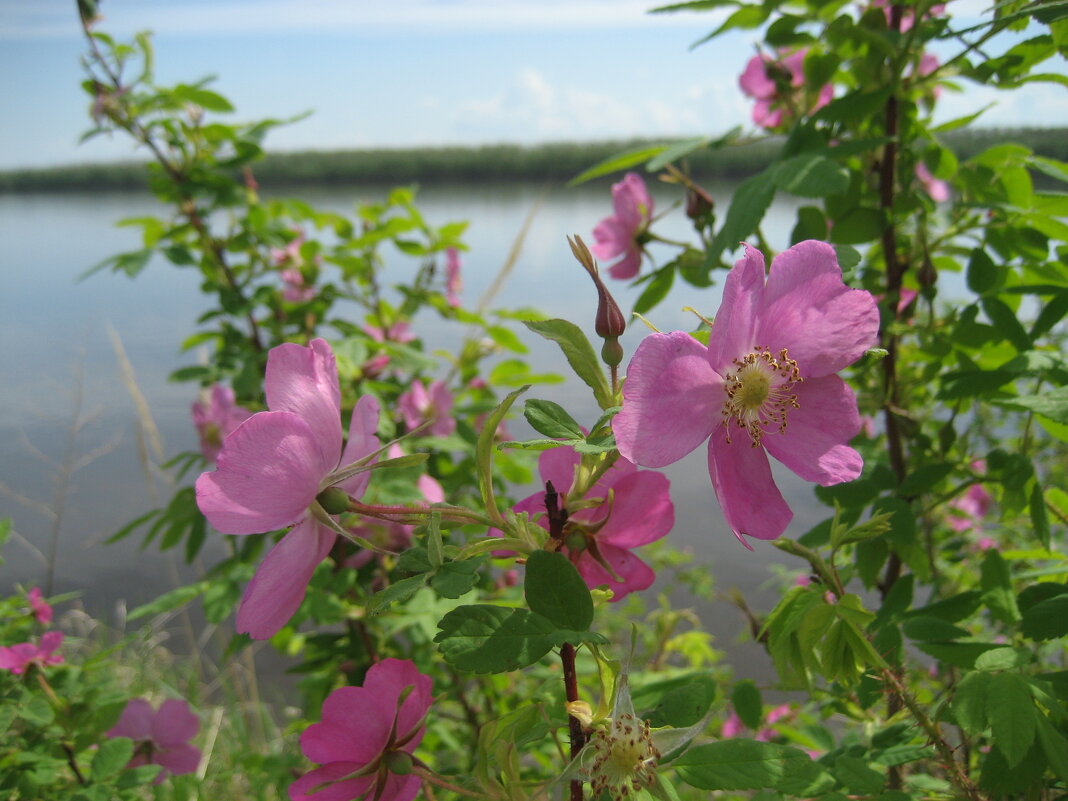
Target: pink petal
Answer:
[[635, 573], [642, 511], [275, 592], [807, 309], [629, 266], [430, 489], [741, 477], [304, 788], [174, 723], [178, 759], [765, 115], [815, 444], [632, 204], [353, 729], [135, 721], [400, 788], [672, 400], [754, 81], [268, 474], [387, 679], [612, 238], [558, 466], [304, 381], [363, 440], [50, 641], [734, 330], [795, 65]]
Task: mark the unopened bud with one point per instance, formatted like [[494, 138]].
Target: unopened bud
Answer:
[[609, 321], [333, 500], [399, 762], [698, 202], [576, 542]]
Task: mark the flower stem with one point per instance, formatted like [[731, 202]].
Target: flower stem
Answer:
[[578, 739]]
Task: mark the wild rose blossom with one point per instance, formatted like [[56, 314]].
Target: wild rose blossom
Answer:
[[937, 189], [296, 288], [18, 658], [421, 403], [400, 331], [766, 383], [453, 280], [364, 731], [777, 103], [970, 509], [627, 508], [620, 236], [272, 469], [161, 737], [39, 607], [215, 417]]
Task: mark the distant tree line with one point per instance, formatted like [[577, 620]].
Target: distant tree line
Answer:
[[559, 161]]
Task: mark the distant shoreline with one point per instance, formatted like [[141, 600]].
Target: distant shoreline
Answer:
[[558, 162]]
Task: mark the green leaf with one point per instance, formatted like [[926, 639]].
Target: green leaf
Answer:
[[1003, 659], [996, 583], [1053, 404], [686, 705], [396, 592], [212, 101], [111, 757], [960, 654], [551, 419], [747, 703], [748, 206], [969, 702], [616, 163], [655, 290], [1005, 323], [739, 764], [579, 354], [676, 152], [932, 629], [453, 579], [1012, 715], [555, 590], [484, 451], [37, 711], [857, 226], [1039, 517], [983, 275], [924, 479], [493, 639], [811, 175], [1046, 620], [857, 777], [168, 601], [1055, 747]]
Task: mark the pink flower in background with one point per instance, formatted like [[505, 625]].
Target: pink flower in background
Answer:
[[18, 658], [766, 383], [364, 732], [296, 288], [39, 607], [929, 64], [776, 103], [420, 404], [271, 470], [732, 726], [400, 332], [161, 737], [633, 508], [290, 254], [214, 417], [619, 236], [938, 190], [908, 16], [970, 509], [453, 280]]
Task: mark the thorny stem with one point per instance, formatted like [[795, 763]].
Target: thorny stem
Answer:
[[187, 205], [557, 517]]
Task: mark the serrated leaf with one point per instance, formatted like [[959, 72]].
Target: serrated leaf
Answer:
[[856, 776], [493, 639], [616, 163], [396, 592], [811, 175], [740, 764], [748, 205], [453, 579], [551, 419], [1053, 404], [1003, 659], [579, 354], [111, 757], [655, 290], [1012, 715], [969, 702], [1046, 620], [932, 629], [555, 590], [747, 703]]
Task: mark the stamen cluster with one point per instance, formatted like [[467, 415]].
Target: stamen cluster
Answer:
[[759, 392], [625, 758]]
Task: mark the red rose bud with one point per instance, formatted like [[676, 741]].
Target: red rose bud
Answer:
[[698, 202], [609, 322]]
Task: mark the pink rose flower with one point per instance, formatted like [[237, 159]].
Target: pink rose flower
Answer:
[[215, 417], [420, 404], [970, 509], [161, 737], [908, 16], [453, 280], [633, 508], [938, 190], [290, 254], [776, 104], [732, 726], [766, 383], [296, 288], [272, 469], [20, 657], [366, 731], [398, 332], [39, 607], [620, 236]]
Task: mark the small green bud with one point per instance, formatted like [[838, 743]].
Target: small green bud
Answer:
[[399, 762], [334, 500], [575, 542], [612, 352]]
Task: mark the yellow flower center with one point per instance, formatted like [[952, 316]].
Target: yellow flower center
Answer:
[[759, 393]]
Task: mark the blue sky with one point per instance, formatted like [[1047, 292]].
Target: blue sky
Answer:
[[411, 72]]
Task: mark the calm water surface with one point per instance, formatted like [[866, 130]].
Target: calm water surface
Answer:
[[57, 356]]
